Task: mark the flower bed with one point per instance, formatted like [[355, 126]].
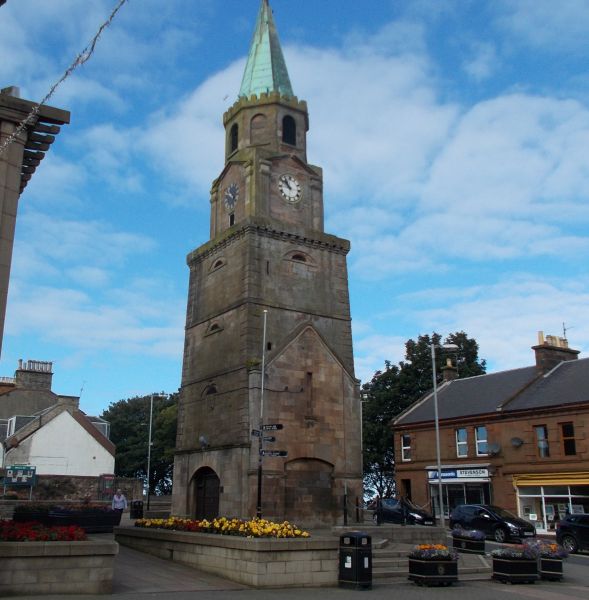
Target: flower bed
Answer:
[[433, 564], [470, 541], [258, 528], [11, 531]]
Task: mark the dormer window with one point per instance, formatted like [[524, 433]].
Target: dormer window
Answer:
[[233, 137], [289, 131]]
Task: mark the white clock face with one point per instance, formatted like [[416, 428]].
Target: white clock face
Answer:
[[231, 196], [290, 188]]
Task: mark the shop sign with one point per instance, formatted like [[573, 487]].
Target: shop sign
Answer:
[[465, 473]]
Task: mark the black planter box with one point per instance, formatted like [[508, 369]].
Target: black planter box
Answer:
[[468, 545], [433, 572], [515, 570], [551, 569]]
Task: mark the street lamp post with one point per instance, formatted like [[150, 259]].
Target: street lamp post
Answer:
[[149, 446], [149, 442], [437, 426]]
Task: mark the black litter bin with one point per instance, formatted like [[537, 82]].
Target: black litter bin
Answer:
[[355, 560], [136, 511]]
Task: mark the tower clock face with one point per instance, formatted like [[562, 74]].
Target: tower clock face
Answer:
[[290, 188], [231, 196]]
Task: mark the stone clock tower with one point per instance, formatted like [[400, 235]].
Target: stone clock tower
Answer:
[[268, 260]]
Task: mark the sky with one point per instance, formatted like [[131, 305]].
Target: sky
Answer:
[[453, 136]]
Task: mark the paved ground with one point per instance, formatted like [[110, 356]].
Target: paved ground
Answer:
[[139, 576]]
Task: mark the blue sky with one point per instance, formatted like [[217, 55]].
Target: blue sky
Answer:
[[453, 137]]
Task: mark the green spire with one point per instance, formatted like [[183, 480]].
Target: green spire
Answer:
[[265, 70]]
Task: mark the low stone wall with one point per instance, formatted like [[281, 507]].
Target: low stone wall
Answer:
[[265, 563], [400, 534], [34, 568]]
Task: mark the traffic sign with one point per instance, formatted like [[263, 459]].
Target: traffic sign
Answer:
[[275, 453], [256, 433], [269, 438], [272, 427]]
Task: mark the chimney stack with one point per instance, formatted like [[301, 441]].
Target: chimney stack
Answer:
[[449, 371], [34, 374], [551, 351]]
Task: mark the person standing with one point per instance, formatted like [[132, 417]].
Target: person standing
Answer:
[[119, 503]]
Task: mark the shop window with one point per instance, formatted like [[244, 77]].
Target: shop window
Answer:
[[461, 442], [569, 446], [542, 441], [481, 440], [406, 447]]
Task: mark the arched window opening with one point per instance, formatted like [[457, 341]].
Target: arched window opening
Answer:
[[211, 389], [215, 327], [218, 264], [299, 257], [234, 136], [289, 131]]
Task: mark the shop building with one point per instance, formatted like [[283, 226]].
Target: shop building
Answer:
[[517, 439]]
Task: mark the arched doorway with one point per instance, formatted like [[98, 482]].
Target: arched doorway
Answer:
[[206, 486]]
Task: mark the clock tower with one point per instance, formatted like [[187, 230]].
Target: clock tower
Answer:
[[268, 328]]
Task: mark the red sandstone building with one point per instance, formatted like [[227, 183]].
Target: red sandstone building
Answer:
[[518, 439]]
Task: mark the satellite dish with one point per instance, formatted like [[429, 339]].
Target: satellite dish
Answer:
[[516, 442], [493, 448]]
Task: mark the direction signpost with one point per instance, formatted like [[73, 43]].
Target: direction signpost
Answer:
[[275, 453], [273, 427]]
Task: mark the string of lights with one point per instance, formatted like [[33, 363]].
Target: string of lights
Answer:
[[82, 57]]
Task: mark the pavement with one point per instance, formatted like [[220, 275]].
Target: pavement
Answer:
[[140, 576]]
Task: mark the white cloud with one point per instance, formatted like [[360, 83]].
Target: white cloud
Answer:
[[560, 27], [482, 62]]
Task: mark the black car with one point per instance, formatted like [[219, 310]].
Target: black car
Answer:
[[496, 523], [573, 532], [401, 511]]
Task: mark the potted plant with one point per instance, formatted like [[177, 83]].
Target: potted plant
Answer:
[[433, 564], [550, 558], [517, 564], [471, 541]]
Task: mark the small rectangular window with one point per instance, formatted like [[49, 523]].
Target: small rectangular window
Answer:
[[542, 441], [568, 439], [231, 220], [406, 447], [461, 442], [481, 440]]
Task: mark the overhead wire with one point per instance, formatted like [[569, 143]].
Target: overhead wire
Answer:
[[82, 57]]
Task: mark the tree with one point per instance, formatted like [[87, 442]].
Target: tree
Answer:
[[129, 430], [393, 390]]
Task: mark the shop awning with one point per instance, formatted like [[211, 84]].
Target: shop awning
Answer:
[[580, 478]]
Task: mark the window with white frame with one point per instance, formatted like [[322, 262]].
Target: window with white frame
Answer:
[[405, 447], [461, 442], [542, 441], [481, 440]]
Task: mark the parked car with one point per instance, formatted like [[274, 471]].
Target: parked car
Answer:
[[495, 522], [573, 532], [402, 511]]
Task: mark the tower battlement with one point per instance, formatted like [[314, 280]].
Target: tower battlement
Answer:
[[265, 98]]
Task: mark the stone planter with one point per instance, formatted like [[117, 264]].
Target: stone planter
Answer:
[[551, 569], [433, 572], [59, 568], [468, 545], [515, 570]]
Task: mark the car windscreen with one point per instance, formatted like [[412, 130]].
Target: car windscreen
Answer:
[[504, 514]]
